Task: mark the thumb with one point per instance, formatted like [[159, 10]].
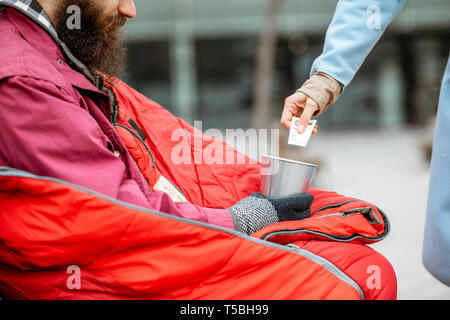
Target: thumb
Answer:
[[294, 207], [301, 201], [310, 108]]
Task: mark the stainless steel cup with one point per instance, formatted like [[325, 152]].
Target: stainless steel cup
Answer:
[[282, 177]]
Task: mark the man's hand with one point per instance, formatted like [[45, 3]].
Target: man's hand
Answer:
[[258, 211], [301, 106]]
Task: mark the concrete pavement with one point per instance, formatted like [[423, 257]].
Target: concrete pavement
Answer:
[[388, 168]]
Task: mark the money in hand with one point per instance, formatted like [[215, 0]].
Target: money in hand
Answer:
[[300, 139]]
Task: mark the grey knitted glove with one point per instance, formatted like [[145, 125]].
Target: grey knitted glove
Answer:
[[258, 211]]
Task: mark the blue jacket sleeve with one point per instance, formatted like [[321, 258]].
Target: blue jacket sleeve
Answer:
[[356, 27]]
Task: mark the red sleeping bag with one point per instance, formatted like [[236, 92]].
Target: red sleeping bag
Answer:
[[61, 241]]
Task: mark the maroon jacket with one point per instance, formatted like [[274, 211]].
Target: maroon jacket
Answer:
[[55, 122]]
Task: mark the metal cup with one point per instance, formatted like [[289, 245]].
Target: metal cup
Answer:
[[283, 177]]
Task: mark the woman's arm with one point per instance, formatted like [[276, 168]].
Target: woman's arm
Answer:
[[356, 27]]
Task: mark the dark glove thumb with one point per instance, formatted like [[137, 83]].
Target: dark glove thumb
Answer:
[[294, 207]]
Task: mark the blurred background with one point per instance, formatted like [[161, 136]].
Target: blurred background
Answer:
[[232, 63]]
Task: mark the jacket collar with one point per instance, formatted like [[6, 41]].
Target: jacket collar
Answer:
[[34, 9]]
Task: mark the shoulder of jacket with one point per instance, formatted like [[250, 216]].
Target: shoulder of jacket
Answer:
[[24, 60]]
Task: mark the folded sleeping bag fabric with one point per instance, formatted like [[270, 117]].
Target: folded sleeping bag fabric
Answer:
[[62, 241]]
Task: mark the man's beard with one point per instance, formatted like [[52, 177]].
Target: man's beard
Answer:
[[98, 42]]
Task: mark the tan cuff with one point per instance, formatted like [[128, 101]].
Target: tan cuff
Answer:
[[323, 89]]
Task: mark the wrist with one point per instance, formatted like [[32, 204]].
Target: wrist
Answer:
[[323, 89]]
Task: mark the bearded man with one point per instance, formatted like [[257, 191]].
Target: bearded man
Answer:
[[58, 117]]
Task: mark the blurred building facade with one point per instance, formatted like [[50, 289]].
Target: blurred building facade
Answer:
[[197, 59]]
